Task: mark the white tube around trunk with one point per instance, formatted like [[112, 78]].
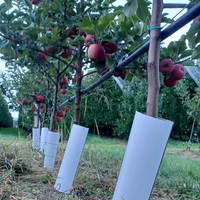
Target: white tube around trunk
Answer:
[[43, 140], [144, 152], [36, 138], [71, 158], [51, 149]]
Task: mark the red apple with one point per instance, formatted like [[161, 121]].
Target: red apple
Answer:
[[43, 110], [96, 52], [24, 37], [41, 56], [40, 98], [123, 76], [61, 113], [33, 109], [109, 55], [70, 39], [178, 72], [51, 5], [42, 106], [34, 1], [63, 91], [110, 47], [48, 50], [67, 53], [166, 66], [196, 19], [64, 81], [24, 101], [169, 82], [57, 118], [82, 33], [50, 15], [88, 39], [117, 74], [104, 71], [73, 31], [40, 80], [67, 109]]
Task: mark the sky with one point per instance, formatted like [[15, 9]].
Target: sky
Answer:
[[174, 37]]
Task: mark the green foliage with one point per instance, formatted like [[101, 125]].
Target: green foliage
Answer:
[[114, 110], [12, 134], [110, 110], [100, 107], [172, 108], [25, 120], [5, 116]]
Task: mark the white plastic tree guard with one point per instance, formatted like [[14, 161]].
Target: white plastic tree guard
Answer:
[[51, 149], [144, 152], [71, 158], [43, 140], [36, 138]]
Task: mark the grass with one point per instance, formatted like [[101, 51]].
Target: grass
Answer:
[[22, 175], [12, 134]]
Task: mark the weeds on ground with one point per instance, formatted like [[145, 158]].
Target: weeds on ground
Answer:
[[22, 175]]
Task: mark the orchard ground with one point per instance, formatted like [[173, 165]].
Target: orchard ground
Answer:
[[22, 175]]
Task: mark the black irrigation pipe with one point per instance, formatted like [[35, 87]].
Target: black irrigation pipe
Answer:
[[175, 26]]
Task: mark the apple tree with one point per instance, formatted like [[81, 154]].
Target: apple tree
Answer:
[[64, 39], [50, 36]]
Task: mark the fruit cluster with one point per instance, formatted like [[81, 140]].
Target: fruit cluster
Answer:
[[172, 72], [40, 100], [61, 113], [98, 52]]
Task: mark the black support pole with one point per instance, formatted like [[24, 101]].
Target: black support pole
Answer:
[[175, 26]]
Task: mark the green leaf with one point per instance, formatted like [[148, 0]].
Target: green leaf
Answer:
[[99, 66], [84, 23], [142, 11], [191, 42], [8, 2], [28, 3], [55, 31], [58, 3], [129, 77], [43, 39], [54, 40], [33, 33], [28, 27], [186, 54], [109, 61], [165, 19], [4, 44], [195, 28], [188, 63], [89, 30], [130, 8], [106, 20], [2, 29], [165, 52], [196, 52]]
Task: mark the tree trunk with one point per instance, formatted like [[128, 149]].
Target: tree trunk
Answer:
[[153, 59], [54, 112], [79, 79]]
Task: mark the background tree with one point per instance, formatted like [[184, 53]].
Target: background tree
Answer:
[[5, 116]]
